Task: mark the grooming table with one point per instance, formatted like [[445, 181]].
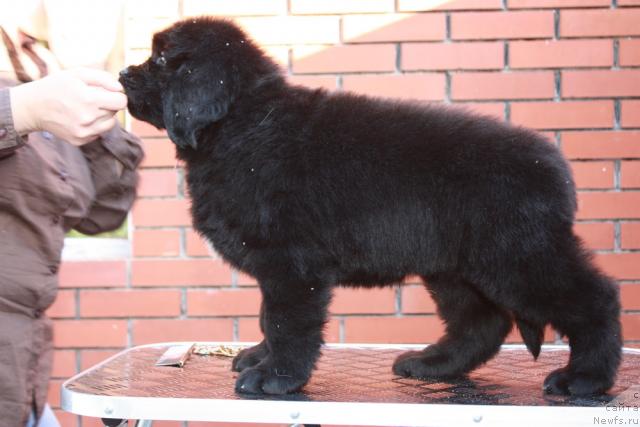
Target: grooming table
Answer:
[[352, 385]]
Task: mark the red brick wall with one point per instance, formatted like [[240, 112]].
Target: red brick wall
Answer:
[[570, 68]]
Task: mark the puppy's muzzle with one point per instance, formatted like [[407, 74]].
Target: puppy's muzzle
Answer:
[[125, 72]]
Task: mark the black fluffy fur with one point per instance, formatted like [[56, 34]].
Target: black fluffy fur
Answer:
[[305, 190]]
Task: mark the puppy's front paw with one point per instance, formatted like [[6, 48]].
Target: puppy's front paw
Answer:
[[423, 365], [564, 382], [264, 378], [249, 357]]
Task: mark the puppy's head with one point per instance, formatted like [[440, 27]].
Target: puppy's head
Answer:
[[197, 69]]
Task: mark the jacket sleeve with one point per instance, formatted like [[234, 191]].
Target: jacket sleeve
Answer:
[[113, 160], [9, 139]]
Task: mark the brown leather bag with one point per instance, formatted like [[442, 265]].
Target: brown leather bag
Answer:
[[26, 44]]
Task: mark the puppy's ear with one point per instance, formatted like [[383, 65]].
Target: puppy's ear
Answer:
[[194, 99]]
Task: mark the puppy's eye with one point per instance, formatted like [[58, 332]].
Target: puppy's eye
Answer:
[[162, 61]]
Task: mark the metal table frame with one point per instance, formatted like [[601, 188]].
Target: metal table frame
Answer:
[[146, 409]]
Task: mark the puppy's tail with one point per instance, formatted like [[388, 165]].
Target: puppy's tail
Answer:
[[532, 334]]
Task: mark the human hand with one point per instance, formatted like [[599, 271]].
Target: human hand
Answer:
[[75, 105]]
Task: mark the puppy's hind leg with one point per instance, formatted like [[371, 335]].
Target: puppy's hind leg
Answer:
[[475, 329], [590, 318], [293, 317]]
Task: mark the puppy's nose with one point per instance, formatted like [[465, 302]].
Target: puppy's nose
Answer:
[[124, 72]]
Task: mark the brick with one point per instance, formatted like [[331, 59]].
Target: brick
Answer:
[[246, 280], [64, 305], [280, 54], [138, 56], [89, 333], [91, 422], [393, 27], [363, 301], [161, 213], [493, 109], [129, 303], [278, 30], [515, 337], [608, 205], [180, 424], [601, 145], [314, 7], [600, 84], [429, 5], [174, 330], [628, 2], [393, 330], [67, 419], [501, 25], [563, 115], [629, 52], [95, 422], [630, 235], [249, 330], [630, 326], [452, 56], [158, 153], [519, 85], [348, 58], [596, 235], [90, 358], [53, 395], [223, 302], [162, 182], [630, 114], [160, 8], [630, 174], [326, 82], [630, 296], [210, 424], [599, 22], [541, 4], [416, 300], [560, 53], [83, 274], [197, 246], [593, 175], [621, 266], [144, 130], [140, 31], [182, 272], [413, 279], [156, 243], [430, 87], [233, 8], [64, 363]]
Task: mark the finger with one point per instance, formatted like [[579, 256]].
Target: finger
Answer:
[[103, 125], [93, 131], [108, 100], [99, 78]]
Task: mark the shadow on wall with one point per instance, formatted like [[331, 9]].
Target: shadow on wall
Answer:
[[387, 53]]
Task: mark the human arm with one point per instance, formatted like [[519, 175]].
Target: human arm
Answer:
[[75, 105], [9, 139]]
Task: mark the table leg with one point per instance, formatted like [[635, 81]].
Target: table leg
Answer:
[[114, 422]]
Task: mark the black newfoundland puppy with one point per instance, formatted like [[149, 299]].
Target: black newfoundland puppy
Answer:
[[306, 190]]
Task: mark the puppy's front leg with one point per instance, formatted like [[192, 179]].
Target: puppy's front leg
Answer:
[[253, 355], [293, 317]]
